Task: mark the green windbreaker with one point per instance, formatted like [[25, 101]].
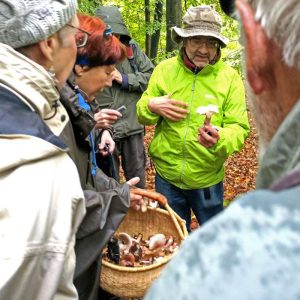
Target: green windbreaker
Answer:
[[175, 150]]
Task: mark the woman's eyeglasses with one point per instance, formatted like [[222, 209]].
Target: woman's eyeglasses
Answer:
[[81, 36]]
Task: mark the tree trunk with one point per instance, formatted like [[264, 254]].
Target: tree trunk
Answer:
[[173, 18], [158, 13], [147, 21]]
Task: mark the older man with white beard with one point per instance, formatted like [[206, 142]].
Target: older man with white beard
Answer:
[[252, 249]]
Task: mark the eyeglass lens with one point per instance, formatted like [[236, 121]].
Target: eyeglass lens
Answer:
[[81, 39], [211, 44]]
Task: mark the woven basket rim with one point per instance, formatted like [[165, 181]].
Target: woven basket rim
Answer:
[[138, 269], [163, 261], [139, 278]]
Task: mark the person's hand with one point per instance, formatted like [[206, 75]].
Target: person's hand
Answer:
[[208, 136], [164, 106], [117, 76], [136, 201], [107, 144], [105, 117]]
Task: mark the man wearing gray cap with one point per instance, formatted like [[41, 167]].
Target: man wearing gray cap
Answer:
[[189, 149], [41, 200], [252, 250]]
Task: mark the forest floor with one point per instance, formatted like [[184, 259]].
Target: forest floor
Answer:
[[240, 168]]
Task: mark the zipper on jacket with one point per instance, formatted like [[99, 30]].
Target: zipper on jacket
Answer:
[[187, 128]]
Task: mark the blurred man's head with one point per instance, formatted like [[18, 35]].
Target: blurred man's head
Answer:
[[270, 33]]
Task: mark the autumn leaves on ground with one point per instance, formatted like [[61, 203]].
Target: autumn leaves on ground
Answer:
[[241, 167]]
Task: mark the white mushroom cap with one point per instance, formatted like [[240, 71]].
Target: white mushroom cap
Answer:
[[156, 241], [203, 110]]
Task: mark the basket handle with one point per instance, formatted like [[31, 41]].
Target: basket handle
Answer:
[[162, 200]]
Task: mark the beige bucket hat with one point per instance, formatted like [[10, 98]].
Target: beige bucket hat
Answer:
[[200, 20]]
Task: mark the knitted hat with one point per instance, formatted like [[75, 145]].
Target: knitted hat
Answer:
[[200, 20], [26, 22]]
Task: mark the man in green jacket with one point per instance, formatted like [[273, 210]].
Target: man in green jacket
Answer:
[[188, 149], [130, 81]]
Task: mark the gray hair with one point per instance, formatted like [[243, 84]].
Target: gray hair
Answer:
[[281, 21]]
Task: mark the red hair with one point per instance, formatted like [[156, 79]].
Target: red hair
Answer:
[[100, 49]]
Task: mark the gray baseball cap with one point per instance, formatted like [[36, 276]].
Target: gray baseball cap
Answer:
[[111, 15]]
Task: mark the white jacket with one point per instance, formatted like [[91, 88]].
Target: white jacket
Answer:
[[41, 200]]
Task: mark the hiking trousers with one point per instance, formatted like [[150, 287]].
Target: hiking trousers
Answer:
[[130, 153], [205, 203]]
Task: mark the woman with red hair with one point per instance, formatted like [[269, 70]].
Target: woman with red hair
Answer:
[[107, 201], [96, 60]]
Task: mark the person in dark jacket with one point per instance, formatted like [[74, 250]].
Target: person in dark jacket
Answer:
[[252, 249], [130, 80], [107, 201]]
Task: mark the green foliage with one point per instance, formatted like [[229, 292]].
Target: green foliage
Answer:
[[232, 54], [133, 12], [88, 6]]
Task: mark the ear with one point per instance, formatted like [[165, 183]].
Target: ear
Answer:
[[47, 48], [256, 48], [78, 70]]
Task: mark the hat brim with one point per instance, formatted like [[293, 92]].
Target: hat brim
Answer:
[[178, 34], [118, 28]]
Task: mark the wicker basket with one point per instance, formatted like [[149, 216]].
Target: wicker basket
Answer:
[[133, 282]]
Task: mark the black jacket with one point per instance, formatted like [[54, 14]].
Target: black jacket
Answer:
[[107, 201]]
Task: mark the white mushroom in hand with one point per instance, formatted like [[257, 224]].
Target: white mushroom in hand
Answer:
[[208, 111]]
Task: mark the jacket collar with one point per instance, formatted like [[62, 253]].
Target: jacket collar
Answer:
[[187, 64], [29, 80]]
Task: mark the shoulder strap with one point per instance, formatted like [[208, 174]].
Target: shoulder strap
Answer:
[[84, 105]]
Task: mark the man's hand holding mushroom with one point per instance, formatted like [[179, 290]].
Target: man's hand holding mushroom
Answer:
[[208, 135], [169, 108]]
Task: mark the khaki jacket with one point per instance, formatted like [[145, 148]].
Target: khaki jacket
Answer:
[[41, 200]]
